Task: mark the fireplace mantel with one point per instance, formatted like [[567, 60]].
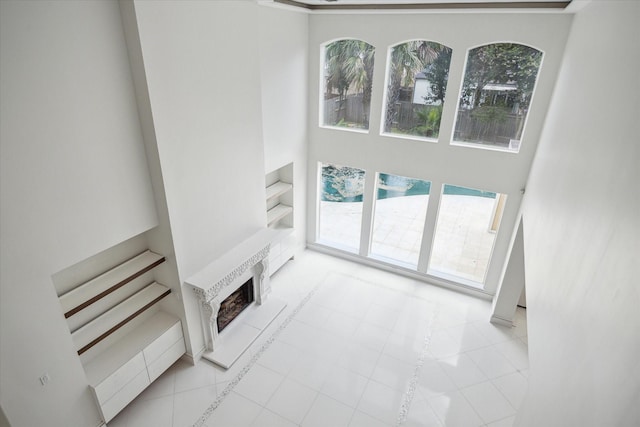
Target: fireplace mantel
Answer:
[[223, 276], [213, 278]]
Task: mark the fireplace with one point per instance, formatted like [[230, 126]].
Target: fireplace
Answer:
[[235, 304], [237, 281]]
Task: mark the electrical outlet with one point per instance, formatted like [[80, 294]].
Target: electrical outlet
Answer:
[[44, 379]]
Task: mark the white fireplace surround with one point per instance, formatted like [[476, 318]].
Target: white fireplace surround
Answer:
[[214, 283]]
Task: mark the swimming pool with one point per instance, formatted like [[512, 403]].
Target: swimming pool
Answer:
[[349, 187]]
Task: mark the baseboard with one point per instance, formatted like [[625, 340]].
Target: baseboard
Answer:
[[500, 321], [193, 359], [423, 277]]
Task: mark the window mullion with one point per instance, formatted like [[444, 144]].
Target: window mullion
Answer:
[[368, 199], [429, 226]]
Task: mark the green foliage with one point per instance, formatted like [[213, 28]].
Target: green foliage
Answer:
[[349, 65], [437, 73], [407, 59], [490, 114], [501, 63], [430, 117]]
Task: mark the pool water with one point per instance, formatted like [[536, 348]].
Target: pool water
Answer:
[[350, 190]]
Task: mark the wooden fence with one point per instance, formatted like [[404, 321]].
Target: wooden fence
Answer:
[[499, 133], [350, 113], [468, 128]]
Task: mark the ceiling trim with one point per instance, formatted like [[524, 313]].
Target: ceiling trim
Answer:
[[430, 6]]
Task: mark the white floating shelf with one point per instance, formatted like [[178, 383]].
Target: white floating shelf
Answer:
[[111, 320], [278, 189], [97, 288], [278, 212]]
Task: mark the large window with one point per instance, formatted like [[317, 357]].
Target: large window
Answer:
[[348, 74], [466, 228], [340, 218], [391, 222], [400, 211], [499, 81], [416, 84]]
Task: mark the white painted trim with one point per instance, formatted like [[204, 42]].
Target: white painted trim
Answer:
[[468, 290], [190, 359], [500, 321], [417, 10], [481, 146]]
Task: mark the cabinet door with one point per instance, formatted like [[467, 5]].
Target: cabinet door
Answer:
[[125, 395], [162, 343], [118, 379], [162, 363]]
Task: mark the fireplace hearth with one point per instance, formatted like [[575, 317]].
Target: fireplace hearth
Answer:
[[236, 282]]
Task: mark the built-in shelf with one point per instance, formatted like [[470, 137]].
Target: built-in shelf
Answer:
[[278, 189], [123, 338], [278, 212], [279, 197], [88, 293], [112, 320]]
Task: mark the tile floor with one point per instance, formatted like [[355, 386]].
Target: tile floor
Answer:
[[355, 347]]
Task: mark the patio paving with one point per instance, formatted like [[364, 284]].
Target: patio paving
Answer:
[[462, 243]]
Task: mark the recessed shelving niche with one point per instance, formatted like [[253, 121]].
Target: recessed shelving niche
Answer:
[[122, 336], [279, 197], [280, 212]]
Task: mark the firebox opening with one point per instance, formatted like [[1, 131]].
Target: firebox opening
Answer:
[[235, 303]]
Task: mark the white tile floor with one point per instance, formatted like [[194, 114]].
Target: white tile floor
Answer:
[[355, 347]]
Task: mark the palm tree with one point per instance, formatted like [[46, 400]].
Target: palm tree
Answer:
[[406, 60], [349, 65], [359, 70]]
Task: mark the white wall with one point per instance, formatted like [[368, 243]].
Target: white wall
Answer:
[[439, 163], [160, 239], [203, 74], [284, 84], [73, 182], [582, 232], [510, 293]]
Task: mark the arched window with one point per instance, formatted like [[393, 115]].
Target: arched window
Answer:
[[348, 74], [498, 85], [417, 76]]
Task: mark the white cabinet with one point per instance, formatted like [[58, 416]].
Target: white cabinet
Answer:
[[122, 371], [282, 249], [121, 376], [166, 359], [122, 337], [279, 202], [124, 396]]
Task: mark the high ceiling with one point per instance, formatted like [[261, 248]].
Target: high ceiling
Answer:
[[336, 5]]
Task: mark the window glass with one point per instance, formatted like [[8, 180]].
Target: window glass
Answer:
[[400, 212], [341, 192], [466, 228], [499, 81], [417, 82], [348, 73]]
